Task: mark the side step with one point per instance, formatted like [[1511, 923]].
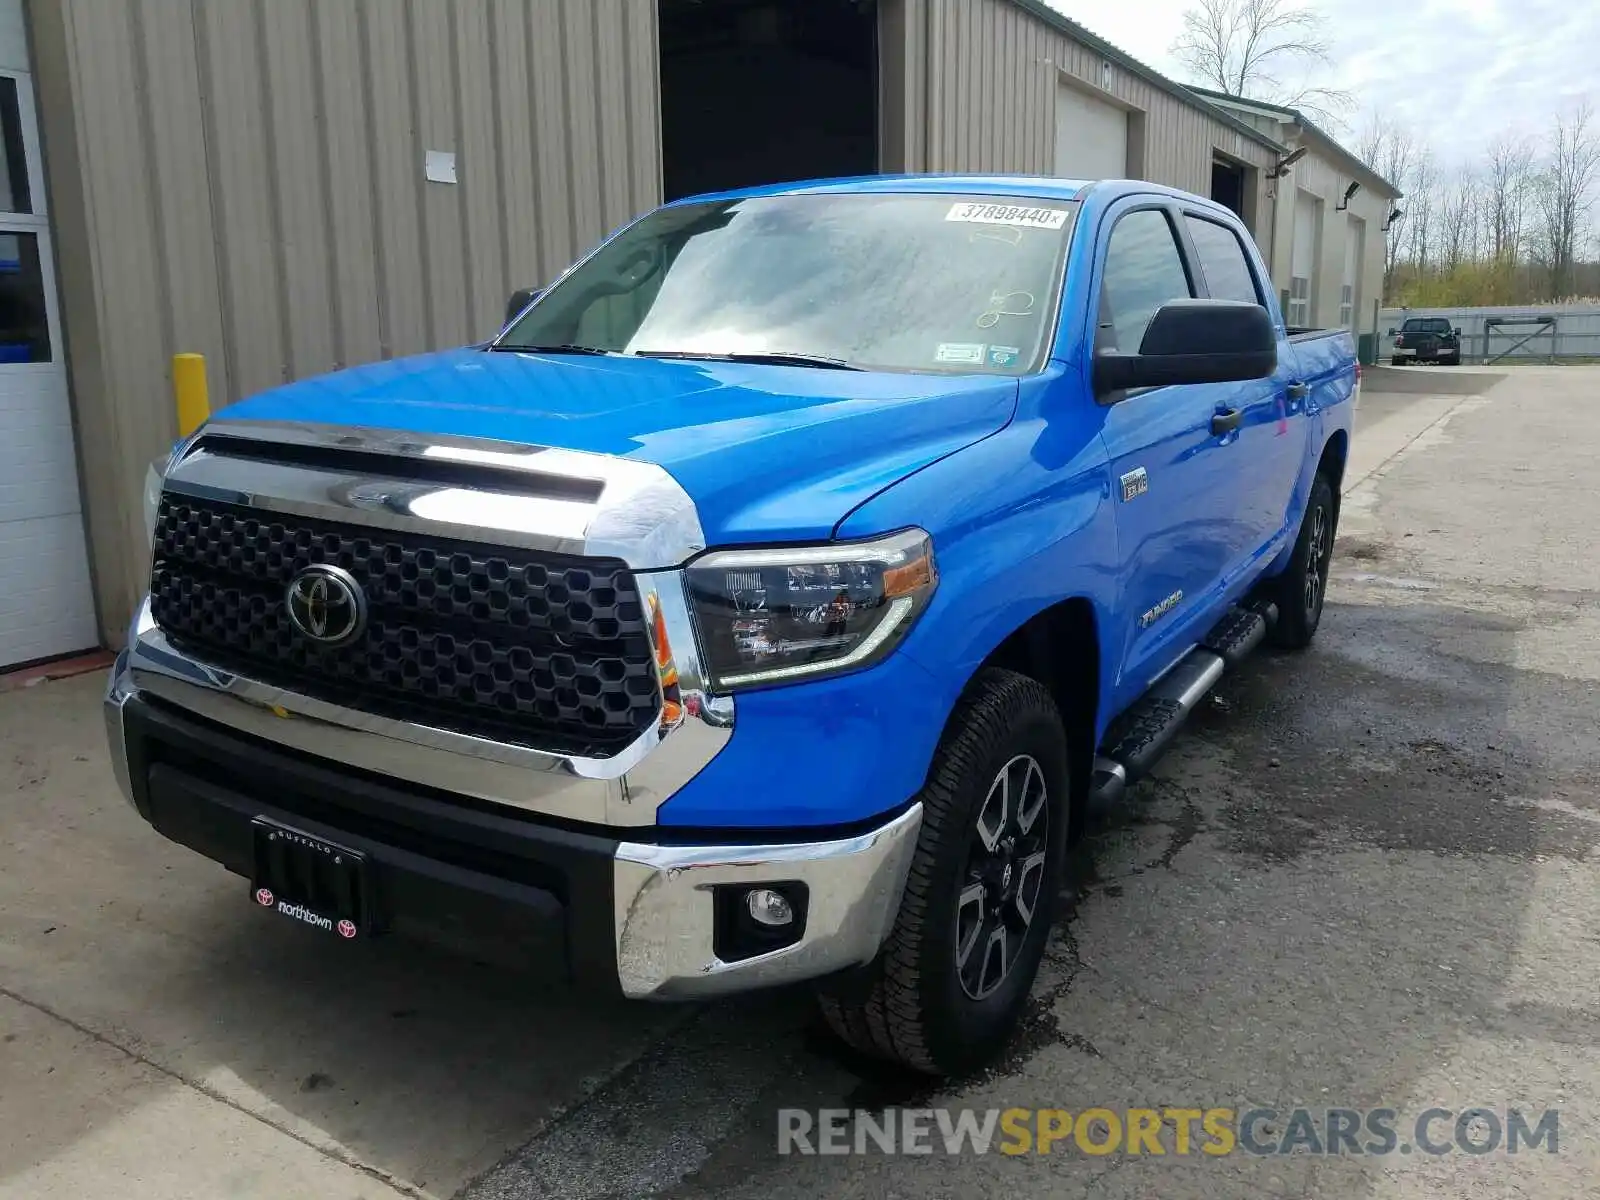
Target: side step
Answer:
[[1140, 735], [1240, 632]]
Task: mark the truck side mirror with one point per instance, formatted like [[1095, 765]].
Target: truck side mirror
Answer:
[[1457, 331], [520, 299], [1194, 341], [1391, 331]]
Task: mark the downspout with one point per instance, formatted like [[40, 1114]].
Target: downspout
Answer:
[[926, 124], [1272, 235]]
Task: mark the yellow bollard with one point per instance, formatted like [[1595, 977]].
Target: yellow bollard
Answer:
[[189, 388]]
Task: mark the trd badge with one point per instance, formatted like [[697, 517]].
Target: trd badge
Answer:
[[1135, 483]]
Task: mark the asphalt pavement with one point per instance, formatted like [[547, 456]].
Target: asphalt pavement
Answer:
[[1362, 880]]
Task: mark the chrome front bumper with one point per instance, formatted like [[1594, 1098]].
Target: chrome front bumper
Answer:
[[664, 909], [662, 897]]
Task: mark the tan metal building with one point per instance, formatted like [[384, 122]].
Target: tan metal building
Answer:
[[1323, 236], [292, 186]]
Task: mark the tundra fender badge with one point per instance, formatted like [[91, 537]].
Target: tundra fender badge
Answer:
[[1151, 615], [1134, 484]]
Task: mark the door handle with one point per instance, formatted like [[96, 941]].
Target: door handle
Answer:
[[1225, 420], [1298, 391]]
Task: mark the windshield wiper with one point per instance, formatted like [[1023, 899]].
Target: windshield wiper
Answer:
[[780, 358], [563, 348]]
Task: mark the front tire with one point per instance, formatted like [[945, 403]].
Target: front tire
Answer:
[[1300, 591], [951, 980]]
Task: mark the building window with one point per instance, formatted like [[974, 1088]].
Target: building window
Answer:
[[1299, 300], [24, 323], [1347, 304]]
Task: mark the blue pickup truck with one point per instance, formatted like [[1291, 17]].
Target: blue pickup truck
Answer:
[[769, 602]]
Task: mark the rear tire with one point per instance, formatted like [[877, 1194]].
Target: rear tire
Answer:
[[951, 980], [1396, 361], [1300, 591]]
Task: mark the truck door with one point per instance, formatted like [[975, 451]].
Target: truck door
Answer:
[[1271, 436], [1171, 475]]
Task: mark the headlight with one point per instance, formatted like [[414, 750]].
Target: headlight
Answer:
[[789, 613]]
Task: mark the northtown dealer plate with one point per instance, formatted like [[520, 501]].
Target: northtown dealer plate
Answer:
[[310, 880]]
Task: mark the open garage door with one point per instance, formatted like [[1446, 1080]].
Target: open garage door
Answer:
[[766, 91], [1091, 136]]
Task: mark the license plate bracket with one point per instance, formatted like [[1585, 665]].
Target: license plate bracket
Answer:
[[310, 879]]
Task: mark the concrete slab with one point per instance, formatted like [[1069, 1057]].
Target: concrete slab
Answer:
[[411, 1059], [80, 1118]]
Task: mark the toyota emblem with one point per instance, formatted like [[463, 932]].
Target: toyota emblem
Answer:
[[347, 929], [326, 605], [264, 897]]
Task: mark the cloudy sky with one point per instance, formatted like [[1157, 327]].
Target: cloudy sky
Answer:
[[1463, 71]]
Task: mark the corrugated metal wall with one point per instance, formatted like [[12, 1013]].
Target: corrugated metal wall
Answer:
[[244, 178], [987, 71]]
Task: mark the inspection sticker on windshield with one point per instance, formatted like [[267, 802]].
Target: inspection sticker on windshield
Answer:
[[1008, 214], [960, 352]]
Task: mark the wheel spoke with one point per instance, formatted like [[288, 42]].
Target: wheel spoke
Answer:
[[1031, 802], [970, 915], [996, 812], [996, 960], [1031, 876]]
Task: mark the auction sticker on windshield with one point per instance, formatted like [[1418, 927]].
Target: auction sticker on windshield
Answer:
[[1008, 214]]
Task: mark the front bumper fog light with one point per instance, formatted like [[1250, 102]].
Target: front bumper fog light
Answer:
[[757, 918], [769, 908]]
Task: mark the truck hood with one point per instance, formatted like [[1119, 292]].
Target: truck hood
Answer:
[[767, 453]]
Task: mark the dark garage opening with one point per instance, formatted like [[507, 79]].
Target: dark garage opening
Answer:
[[1227, 185], [765, 91]]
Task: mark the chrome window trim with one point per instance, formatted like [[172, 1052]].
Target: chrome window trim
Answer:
[[626, 789], [640, 514]]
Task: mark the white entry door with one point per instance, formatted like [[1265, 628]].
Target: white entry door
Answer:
[[46, 605]]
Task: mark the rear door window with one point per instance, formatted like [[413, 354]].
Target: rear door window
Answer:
[[1222, 261]]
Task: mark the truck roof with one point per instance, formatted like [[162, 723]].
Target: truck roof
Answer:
[[996, 185], [1039, 186]]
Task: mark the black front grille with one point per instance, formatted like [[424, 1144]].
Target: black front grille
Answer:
[[540, 649]]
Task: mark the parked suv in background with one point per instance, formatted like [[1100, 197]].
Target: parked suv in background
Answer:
[[1426, 339]]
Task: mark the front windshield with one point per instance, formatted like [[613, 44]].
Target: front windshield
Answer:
[[877, 281]]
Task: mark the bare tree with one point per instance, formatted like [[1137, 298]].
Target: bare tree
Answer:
[[1564, 196], [1248, 48], [1458, 219], [1506, 180], [1421, 200], [1388, 149]]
